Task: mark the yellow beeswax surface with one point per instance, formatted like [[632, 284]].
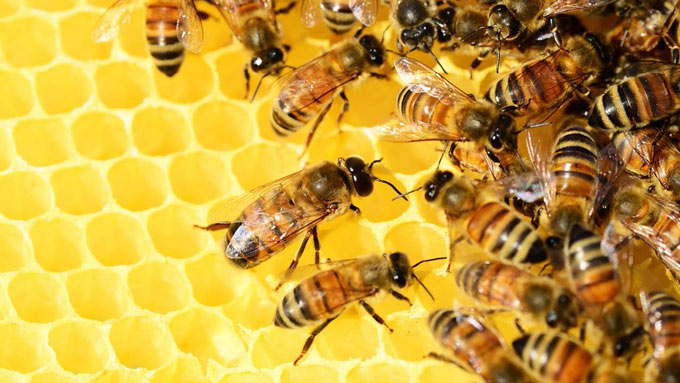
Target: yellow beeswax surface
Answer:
[[105, 165]]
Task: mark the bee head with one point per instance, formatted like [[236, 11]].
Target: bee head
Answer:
[[505, 24], [502, 136], [564, 313], [456, 196], [375, 54], [400, 267], [434, 184], [267, 59], [411, 13], [421, 36], [361, 176]]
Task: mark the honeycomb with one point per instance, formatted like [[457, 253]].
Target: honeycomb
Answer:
[[105, 165]]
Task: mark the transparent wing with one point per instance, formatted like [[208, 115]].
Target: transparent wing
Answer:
[[610, 176], [421, 79], [618, 248], [310, 12], [539, 147], [364, 10], [565, 6], [229, 11], [107, 26], [189, 26], [268, 6], [638, 68], [417, 131], [525, 186]]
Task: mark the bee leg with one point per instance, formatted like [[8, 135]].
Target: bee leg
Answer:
[[401, 297], [294, 263], [214, 226], [286, 9], [246, 74], [452, 248], [355, 209], [375, 315], [445, 359], [478, 60], [519, 327], [582, 332], [310, 339], [636, 304], [315, 126], [317, 244], [379, 76], [345, 108]]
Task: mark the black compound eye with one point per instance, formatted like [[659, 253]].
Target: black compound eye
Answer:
[[373, 48], [496, 139], [426, 29], [401, 269], [257, 63], [275, 55], [361, 179]]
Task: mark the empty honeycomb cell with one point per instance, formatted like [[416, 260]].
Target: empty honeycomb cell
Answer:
[[192, 83], [350, 336], [51, 5], [97, 294], [379, 372], [309, 373], [222, 125], [5, 305], [28, 41], [59, 244], [232, 83], [346, 144], [260, 163], [9, 7], [207, 336], [100, 135], [159, 131], [380, 206], [132, 36], [121, 376], [137, 184], [255, 298], [80, 347], [347, 239], [75, 31], [214, 281], [418, 241], [141, 342], [62, 88], [173, 233], [37, 297], [24, 195], [6, 150], [409, 157], [14, 248], [411, 339], [158, 287], [246, 377], [122, 85], [182, 370], [445, 372], [53, 377], [23, 347], [117, 239], [17, 92], [42, 142], [79, 190], [275, 346], [373, 103], [198, 177]]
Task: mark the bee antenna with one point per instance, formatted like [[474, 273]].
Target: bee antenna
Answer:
[[437, 61], [400, 54], [403, 195], [382, 38], [427, 260], [484, 28], [370, 166], [424, 287], [358, 33], [399, 194], [258, 86], [532, 126], [498, 57]]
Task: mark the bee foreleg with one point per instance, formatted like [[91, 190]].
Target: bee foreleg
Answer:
[[286, 9], [317, 244], [355, 209], [519, 326], [214, 226], [296, 259], [345, 107], [315, 126], [311, 337], [375, 315], [452, 250], [401, 297], [445, 359], [246, 74]]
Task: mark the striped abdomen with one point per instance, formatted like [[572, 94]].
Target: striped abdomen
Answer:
[[635, 149], [662, 312], [421, 107], [593, 275], [537, 86], [161, 35], [338, 16], [493, 283], [554, 357], [505, 235], [635, 102], [261, 231]]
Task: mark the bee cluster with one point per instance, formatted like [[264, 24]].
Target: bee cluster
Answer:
[[559, 225]]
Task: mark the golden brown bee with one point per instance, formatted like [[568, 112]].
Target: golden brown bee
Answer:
[[421, 23], [493, 226], [171, 26], [475, 347], [318, 300], [662, 313], [541, 86], [273, 215], [639, 34], [638, 100], [594, 278], [555, 358], [339, 15], [310, 90], [432, 108]]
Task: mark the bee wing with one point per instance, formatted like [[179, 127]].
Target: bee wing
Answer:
[[646, 66], [269, 8], [620, 256], [310, 12], [364, 10], [417, 131], [610, 167], [421, 79], [189, 26], [107, 26], [229, 11], [526, 186], [539, 148], [565, 6]]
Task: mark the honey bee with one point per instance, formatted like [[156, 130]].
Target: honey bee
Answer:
[[594, 278], [273, 215], [432, 108], [638, 100], [639, 34], [504, 285], [493, 226], [541, 86], [310, 90], [171, 26], [662, 313], [420, 23], [318, 300], [556, 358], [475, 347], [339, 15]]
